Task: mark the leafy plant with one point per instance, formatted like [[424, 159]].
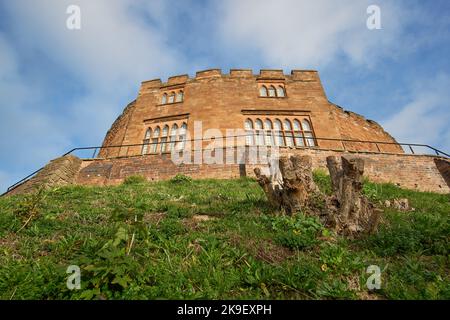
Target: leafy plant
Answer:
[[181, 178], [29, 207], [109, 273], [296, 232], [135, 179]]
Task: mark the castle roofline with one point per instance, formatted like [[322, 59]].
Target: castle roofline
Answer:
[[295, 74]]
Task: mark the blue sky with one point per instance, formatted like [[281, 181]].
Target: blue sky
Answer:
[[62, 88]]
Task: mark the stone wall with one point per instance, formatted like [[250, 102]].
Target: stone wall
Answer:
[[353, 126], [153, 167], [116, 134], [58, 172], [443, 165], [417, 172]]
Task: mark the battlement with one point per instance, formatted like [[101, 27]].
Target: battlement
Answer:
[[264, 74]]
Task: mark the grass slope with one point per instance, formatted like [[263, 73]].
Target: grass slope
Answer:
[[243, 251]]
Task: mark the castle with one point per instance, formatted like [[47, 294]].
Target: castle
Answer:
[[293, 109], [271, 109]]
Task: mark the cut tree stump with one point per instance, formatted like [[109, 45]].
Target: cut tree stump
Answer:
[[290, 187], [351, 211]]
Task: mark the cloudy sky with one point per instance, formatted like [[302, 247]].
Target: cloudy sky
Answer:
[[62, 88]]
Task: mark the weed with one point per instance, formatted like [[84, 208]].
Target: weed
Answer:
[[136, 179], [180, 178], [29, 207], [296, 232]]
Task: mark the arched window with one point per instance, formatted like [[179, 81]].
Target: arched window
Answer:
[[268, 136], [146, 141], [287, 125], [280, 91], [288, 133], [259, 132], [248, 125], [263, 91], [306, 126], [148, 133], [173, 136], [164, 136], [258, 124], [164, 98], [285, 132], [182, 136], [172, 97], [278, 132], [179, 96], [298, 135], [310, 141], [272, 91], [155, 138]]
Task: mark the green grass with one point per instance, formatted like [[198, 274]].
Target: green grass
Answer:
[[243, 251]]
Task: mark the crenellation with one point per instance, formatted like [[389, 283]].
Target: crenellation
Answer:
[[208, 73], [305, 75], [175, 80], [241, 73], [271, 74], [149, 86]]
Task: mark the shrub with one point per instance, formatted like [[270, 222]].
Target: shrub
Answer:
[[181, 178], [136, 179]]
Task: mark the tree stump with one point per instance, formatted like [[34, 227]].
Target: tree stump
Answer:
[[350, 210], [290, 187]]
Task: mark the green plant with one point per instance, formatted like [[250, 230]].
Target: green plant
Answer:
[[29, 207], [372, 191], [135, 179], [128, 212], [296, 232], [322, 179], [338, 258], [108, 274], [181, 178]]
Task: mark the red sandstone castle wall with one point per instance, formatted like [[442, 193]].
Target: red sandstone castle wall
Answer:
[[225, 100], [353, 126], [116, 134], [416, 172]]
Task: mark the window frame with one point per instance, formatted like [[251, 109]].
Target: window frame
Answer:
[[264, 88], [146, 141], [180, 94], [281, 132], [267, 87], [164, 98]]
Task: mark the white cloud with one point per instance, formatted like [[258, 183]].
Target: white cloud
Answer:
[[309, 34], [426, 118], [27, 134], [108, 58], [112, 47]]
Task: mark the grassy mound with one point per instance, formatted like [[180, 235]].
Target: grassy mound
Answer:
[[213, 239]]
